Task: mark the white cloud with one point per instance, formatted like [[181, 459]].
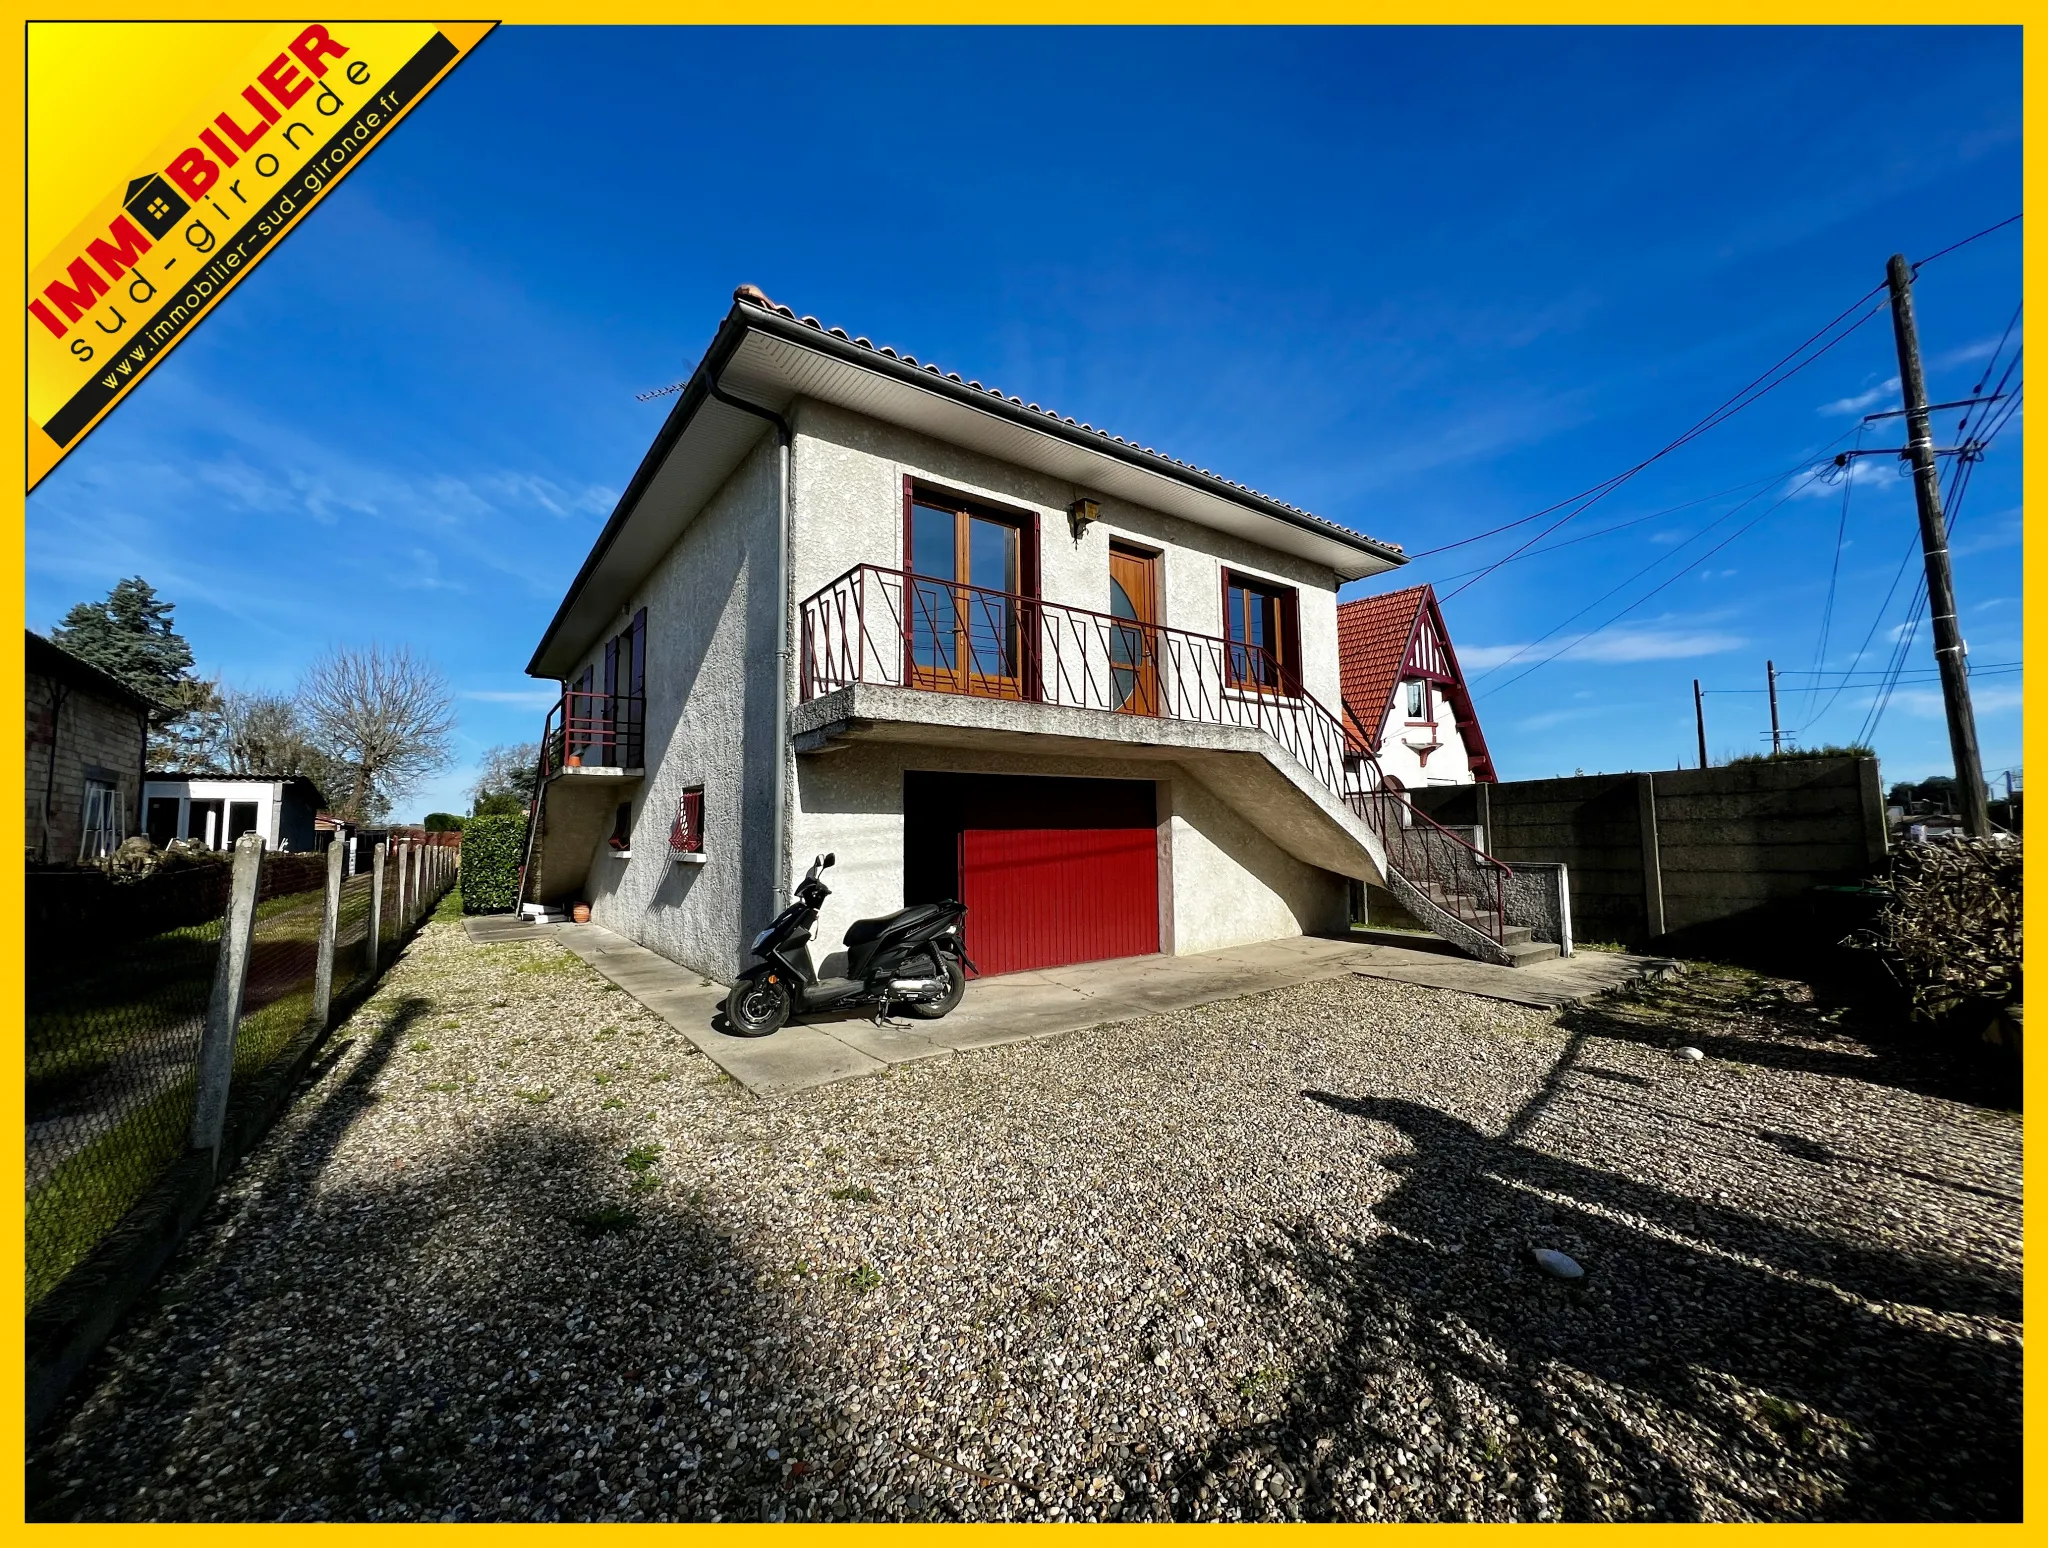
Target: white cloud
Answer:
[[1710, 575], [519, 698], [1883, 391], [1637, 644]]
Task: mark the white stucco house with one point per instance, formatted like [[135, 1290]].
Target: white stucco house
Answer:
[[1406, 693], [851, 602]]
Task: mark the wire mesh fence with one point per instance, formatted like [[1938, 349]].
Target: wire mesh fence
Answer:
[[111, 1042], [114, 1035]]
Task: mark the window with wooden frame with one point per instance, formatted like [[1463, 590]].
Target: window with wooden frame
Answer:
[[621, 840], [686, 837], [971, 568], [1418, 699], [1262, 621]]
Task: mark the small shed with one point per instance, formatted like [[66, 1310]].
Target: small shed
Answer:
[[217, 809]]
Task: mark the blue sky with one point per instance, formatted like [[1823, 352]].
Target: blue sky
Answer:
[[1421, 282]]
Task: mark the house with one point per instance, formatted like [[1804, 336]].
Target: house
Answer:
[[87, 738], [850, 602], [1405, 693], [217, 809]]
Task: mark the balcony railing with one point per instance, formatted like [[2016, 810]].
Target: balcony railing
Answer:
[[586, 729], [887, 627], [901, 630]]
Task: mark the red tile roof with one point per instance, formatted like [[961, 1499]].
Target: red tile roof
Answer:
[[1372, 641], [1373, 635]]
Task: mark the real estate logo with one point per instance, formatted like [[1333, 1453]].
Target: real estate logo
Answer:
[[232, 176]]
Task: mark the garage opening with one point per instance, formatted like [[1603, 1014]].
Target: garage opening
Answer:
[[1053, 870]]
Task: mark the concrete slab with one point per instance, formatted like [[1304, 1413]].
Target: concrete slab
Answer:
[[1546, 985], [489, 929], [1021, 1007]]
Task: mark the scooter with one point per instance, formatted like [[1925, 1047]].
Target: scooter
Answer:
[[912, 958]]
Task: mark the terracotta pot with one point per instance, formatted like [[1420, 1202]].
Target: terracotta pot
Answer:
[[580, 913], [574, 761]]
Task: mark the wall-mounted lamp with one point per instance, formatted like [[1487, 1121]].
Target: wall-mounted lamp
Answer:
[[1081, 515]]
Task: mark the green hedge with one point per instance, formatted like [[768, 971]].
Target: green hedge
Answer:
[[493, 849]]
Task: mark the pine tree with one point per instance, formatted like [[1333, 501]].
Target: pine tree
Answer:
[[130, 636]]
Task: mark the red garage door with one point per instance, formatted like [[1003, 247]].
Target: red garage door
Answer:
[[1043, 897]]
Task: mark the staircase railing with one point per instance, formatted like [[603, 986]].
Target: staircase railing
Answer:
[[898, 629], [1429, 855]]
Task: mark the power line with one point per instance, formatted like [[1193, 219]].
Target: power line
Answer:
[[1670, 580], [1804, 463], [1780, 372], [1827, 612], [1966, 241], [1622, 526]]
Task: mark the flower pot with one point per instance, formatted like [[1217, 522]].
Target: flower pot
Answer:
[[580, 913], [573, 761]]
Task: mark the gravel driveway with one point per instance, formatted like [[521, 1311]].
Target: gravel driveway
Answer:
[[520, 1253]]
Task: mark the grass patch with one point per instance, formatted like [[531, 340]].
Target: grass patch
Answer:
[[609, 1102], [557, 965], [86, 1195], [641, 1158], [442, 1085], [862, 1278], [535, 1097], [449, 909], [854, 1193]]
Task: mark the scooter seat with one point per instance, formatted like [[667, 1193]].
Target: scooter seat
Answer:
[[862, 931]]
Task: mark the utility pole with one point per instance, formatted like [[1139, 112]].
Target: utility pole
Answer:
[[1699, 716], [1777, 742], [1941, 591]]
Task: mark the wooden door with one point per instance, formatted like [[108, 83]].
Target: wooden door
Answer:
[[964, 637], [1134, 637]]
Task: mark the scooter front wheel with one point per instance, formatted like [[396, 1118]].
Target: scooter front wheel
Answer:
[[757, 1006]]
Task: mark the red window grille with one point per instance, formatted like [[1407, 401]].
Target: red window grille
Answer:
[[687, 836]]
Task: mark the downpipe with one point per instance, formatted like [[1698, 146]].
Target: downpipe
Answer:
[[785, 601]]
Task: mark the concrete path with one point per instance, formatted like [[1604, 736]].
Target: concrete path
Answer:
[[1019, 1007]]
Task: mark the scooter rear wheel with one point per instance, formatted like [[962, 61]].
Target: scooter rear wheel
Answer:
[[757, 1006], [956, 986]]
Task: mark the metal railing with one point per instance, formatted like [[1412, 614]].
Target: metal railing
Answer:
[[585, 728], [895, 628], [1463, 880]]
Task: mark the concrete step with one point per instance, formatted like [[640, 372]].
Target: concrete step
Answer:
[[1531, 951]]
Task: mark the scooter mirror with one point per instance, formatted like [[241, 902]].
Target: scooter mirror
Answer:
[[828, 862]]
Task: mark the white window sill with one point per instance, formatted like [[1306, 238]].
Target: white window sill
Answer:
[[689, 857], [622, 854]]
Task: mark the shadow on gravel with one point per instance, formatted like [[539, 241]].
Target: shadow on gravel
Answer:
[[1706, 1366], [486, 1332], [1825, 1027]]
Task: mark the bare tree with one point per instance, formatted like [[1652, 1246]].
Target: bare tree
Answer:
[[507, 773], [384, 717]]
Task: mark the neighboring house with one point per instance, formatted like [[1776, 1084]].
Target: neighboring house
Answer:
[[852, 603], [87, 735], [217, 809], [1405, 694]]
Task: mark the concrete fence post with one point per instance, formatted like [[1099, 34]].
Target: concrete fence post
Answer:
[[404, 857], [224, 1008], [330, 920], [376, 906], [1653, 861]]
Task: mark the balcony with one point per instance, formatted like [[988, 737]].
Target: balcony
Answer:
[[889, 655], [592, 757], [594, 735], [1116, 679]]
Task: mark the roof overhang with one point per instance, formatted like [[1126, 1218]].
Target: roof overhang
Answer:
[[771, 360]]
